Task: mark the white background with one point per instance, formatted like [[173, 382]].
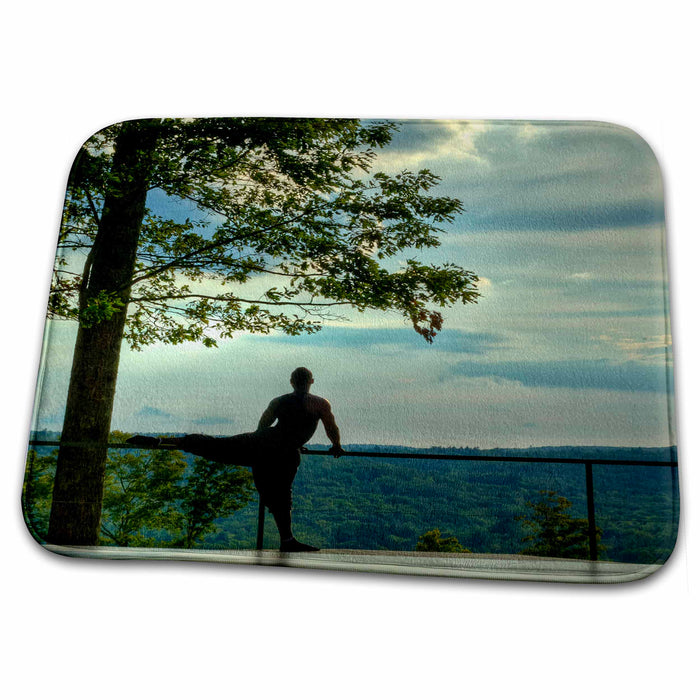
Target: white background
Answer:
[[85, 629]]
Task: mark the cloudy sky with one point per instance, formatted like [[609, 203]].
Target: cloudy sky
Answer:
[[568, 345]]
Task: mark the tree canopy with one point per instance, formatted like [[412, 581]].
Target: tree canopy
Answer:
[[289, 202], [553, 532], [432, 541]]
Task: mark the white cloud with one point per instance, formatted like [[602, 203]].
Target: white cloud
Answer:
[[528, 131], [451, 141], [653, 349]]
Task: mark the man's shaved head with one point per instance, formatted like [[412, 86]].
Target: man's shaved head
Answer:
[[301, 378]]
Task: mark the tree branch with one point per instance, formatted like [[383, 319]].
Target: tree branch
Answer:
[[300, 304], [211, 246], [93, 209]]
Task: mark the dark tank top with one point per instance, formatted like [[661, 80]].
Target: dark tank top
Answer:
[[296, 418]]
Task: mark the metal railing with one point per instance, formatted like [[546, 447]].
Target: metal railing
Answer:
[[588, 463]]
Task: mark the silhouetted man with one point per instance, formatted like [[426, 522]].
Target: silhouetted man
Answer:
[[273, 450]]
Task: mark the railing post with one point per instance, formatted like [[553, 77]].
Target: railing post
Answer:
[[261, 525], [674, 490], [29, 486], [592, 534]]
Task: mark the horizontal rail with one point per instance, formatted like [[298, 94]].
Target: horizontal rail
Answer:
[[504, 458], [403, 455]]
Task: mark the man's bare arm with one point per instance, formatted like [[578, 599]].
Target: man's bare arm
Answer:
[[331, 428], [268, 417]]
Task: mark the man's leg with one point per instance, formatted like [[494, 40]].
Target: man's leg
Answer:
[[240, 449], [274, 484], [237, 449], [283, 520]]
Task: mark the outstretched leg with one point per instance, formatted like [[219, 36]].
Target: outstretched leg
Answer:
[[240, 449]]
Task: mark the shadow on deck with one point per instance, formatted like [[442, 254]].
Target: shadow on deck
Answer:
[[478, 566]]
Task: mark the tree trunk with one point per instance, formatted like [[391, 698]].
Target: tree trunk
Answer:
[[77, 495]]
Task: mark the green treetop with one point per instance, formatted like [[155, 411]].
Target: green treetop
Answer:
[[290, 200]]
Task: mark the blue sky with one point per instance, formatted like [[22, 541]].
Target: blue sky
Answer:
[[569, 343]]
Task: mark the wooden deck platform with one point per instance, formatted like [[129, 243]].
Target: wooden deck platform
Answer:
[[477, 566]]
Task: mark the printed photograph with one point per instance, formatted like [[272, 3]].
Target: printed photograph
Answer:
[[436, 347]]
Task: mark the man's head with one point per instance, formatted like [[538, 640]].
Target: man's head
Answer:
[[301, 379]]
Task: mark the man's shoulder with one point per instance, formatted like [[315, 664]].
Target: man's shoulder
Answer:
[[279, 400], [319, 401]]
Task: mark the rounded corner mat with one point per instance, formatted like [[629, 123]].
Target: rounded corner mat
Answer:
[[434, 347]]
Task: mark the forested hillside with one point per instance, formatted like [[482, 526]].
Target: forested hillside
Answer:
[[384, 503]]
